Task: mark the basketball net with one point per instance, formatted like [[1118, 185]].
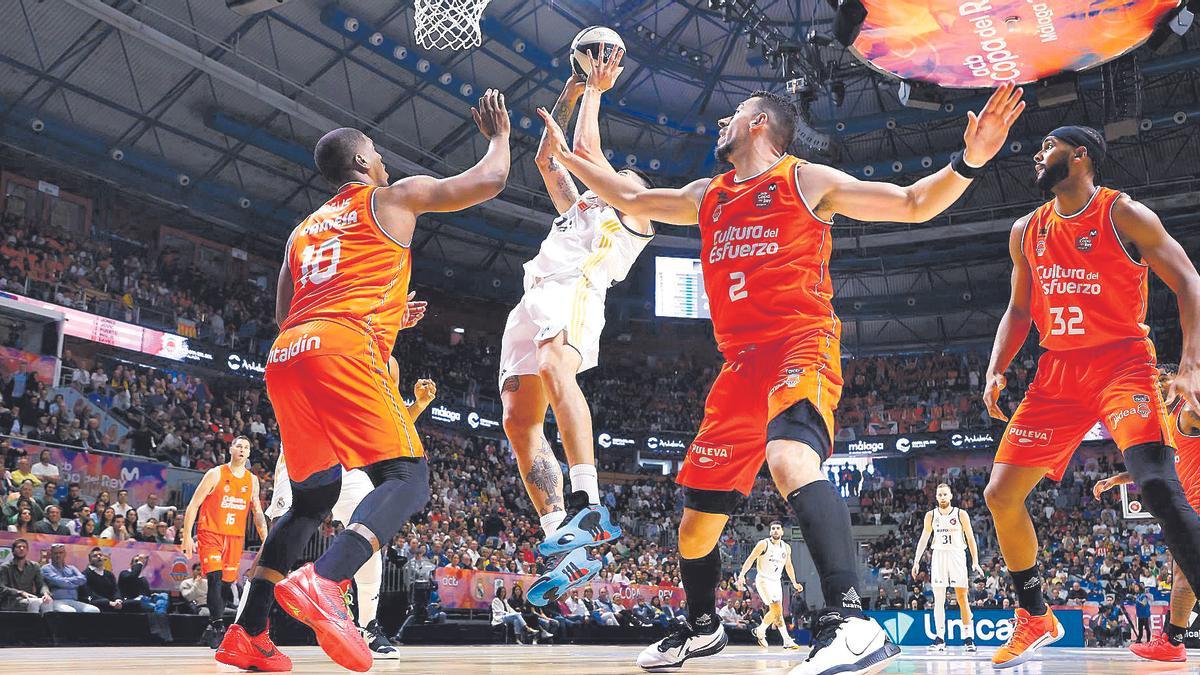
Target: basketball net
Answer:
[[448, 24]]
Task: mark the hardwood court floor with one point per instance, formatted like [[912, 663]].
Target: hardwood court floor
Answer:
[[555, 660]]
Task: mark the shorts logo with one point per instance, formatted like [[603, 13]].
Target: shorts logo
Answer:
[[717, 212], [298, 346], [1141, 408], [708, 456], [1022, 436], [792, 376]]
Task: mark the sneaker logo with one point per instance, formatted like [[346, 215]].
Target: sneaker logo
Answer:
[[574, 572], [265, 653], [1033, 583], [851, 599]]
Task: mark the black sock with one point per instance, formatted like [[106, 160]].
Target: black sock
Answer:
[[700, 578], [216, 601], [1175, 633], [825, 523], [346, 555], [260, 595], [1028, 584]]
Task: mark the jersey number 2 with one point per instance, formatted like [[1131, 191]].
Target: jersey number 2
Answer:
[[318, 264], [1068, 326], [737, 286]]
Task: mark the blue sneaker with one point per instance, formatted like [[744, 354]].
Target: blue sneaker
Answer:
[[569, 570], [585, 525]]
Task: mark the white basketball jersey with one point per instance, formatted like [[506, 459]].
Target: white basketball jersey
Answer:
[[947, 530], [770, 565], [588, 238]]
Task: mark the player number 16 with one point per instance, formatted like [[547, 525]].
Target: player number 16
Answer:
[[1071, 324]]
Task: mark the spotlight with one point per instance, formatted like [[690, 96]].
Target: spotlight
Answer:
[[655, 164], [183, 179], [519, 46], [351, 24], [244, 202], [752, 39], [445, 78], [400, 53], [117, 154], [819, 39], [466, 89], [631, 160], [376, 39], [37, 125], [847, 21], [423, 66], [714, 5]]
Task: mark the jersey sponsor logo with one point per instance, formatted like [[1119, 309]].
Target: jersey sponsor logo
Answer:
[[336, 222], [233, 503], [1059, 280], [300, 345], [1084, 242], [707, 456], [763, 200], [743, 242], [1023, 436]]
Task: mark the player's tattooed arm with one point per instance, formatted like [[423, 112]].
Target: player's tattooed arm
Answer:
[[546, 476], [559, 184]]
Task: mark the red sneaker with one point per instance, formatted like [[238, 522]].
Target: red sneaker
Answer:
[[240, 650], [321, 605], [1030, 633], [1160, 649]]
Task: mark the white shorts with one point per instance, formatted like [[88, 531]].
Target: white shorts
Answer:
[[770, 590], [552, 306], [355, 486], [949, 568]]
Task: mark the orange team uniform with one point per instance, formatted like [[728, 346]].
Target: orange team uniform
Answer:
[[765, 260], [327, 371], [1089, 304], [221, 530], [1187, 458]]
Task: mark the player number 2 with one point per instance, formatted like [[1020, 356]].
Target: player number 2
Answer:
[[737, 286], [1069, 325], [318, 264]]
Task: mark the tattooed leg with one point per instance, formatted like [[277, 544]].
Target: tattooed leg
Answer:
[[525, 405]]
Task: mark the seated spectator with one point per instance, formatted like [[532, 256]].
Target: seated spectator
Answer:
[[532, 613], [136, 590], [87, 528], [73, 503], [22, 588], [52, 523], [23, 522], [49, 493], [574, 612], [101, 588], [601, 614], [64, 582], [162, 534], [150, 510], [194, 590], [149, 533], [44, 468], [730, 616], [25, 492], [116, 531], [503, 613], [24, 472]]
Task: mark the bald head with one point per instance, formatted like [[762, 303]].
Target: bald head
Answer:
[[343, 154]]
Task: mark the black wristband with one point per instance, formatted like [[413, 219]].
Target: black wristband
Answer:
[[959, 166]]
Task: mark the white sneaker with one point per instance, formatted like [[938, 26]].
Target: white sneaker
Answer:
[[683, 644], [760, 634], [938, 646], [847, 646], [546, 635]]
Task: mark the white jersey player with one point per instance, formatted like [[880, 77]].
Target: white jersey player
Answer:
[[356, 485], [773, 555], [950, 529], [553, 334]]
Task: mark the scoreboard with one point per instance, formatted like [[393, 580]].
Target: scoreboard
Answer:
[[679, 289]]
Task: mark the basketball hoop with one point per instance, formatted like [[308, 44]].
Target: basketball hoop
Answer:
[[449, 24]]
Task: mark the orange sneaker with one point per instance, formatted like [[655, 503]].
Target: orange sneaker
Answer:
[[321, 605], [1030, 633], [1160, 649], [240, 650]]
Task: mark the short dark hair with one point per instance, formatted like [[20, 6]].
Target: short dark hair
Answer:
[[641, 175], [334, 153], [241, 437], [782, 114], [20, 541], [776, 522], [73, 485], [943, 485], [95, 549]]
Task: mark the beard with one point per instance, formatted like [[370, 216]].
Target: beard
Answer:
[[1052, 175], [723, 151]]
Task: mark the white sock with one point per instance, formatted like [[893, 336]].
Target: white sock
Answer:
[[368, 579], [551, 521], [939, 612], [583, 477], [969, 630]]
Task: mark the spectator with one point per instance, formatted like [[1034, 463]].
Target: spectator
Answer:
[[116, 531], [53, 523], [25, 493], [64, 582], [87, 528], [504, 614], [73, 503], [136, 591], [730, 616], [575, 612], [600, 613], [45, 468], [123, 506], [23, 522], [49, 493], [101, 587], [150, 510], [21, 583], [24, 472], [194, 590], [532, 614]]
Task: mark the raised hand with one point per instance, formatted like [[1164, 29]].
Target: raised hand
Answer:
[[1185, 385], [424, 391], [491, 116], [605, 70], [987, 131]]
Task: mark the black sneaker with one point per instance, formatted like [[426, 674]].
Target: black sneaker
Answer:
[[969, 645], [378, 641], [938, 646], [213, 635]]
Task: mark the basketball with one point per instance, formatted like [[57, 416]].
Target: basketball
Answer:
[[593, 39]]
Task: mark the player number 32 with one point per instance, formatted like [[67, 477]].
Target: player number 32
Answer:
[[1070, 324]]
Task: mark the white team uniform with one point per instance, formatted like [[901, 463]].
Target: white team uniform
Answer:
[[949, 565], [770, 569], [355, 486], [587, 250]]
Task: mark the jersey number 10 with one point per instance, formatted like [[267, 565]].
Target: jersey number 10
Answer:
[[318, 264]]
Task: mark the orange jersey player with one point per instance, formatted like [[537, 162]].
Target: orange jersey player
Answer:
[[341, 299], [1081, 264], [1168, 645], [224, 499], [765, 248]]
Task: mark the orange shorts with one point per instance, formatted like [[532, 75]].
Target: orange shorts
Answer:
[[752, 389], [1116, 384], [220, 553], [334, 400]]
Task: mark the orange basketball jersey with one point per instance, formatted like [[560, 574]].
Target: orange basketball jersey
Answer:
[[765, 257], [1087, 290], [347, 269], [225, 509], [1187, 458]]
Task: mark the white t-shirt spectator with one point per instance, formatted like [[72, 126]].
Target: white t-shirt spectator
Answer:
[[99, 379], [257, 428], [44, 471], [145, 512]]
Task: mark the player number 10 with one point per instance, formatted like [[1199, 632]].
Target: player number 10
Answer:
[[737, 285], [318, 264], [1069, 325]]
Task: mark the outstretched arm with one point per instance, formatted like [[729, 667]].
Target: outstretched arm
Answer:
[[1139, 225], [416, 195], [969, 534], [666, 205], [559, 184], [926, 531], [835, 192], [1111, 482], [1014, 325], [601, 77]]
